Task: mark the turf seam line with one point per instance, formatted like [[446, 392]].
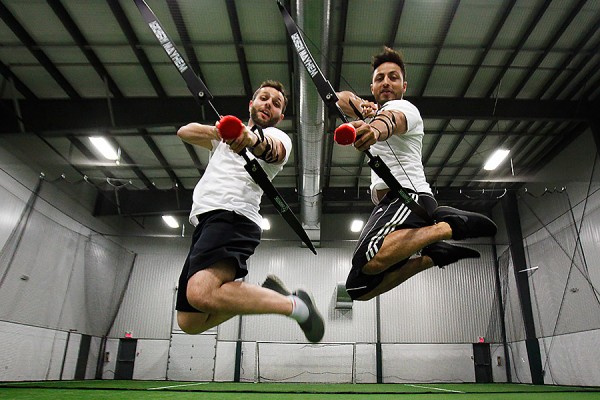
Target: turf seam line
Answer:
[[434, 388]]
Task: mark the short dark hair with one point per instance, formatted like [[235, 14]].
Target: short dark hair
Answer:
[[389, 55], [275, 85]]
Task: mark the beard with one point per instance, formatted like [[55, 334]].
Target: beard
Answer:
[[258, 119], [382, 99]]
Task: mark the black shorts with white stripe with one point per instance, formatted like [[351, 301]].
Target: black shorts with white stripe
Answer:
[[390, 215]]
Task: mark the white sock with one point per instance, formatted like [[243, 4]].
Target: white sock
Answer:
[[299, 309]]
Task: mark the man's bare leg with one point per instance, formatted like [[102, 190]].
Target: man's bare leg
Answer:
[[396, 277], [214, 292], [194, 323], [402, 244]]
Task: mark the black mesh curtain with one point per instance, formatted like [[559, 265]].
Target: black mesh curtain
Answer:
[[561, 245], [54, 277]]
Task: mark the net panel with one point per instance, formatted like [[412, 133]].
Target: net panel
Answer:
[[55, 277]]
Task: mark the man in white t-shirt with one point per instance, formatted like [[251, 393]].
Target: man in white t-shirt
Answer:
[[382, 259], [225, 209]]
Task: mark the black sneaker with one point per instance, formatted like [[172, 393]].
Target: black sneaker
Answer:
[[444, 254], [465, 224], [313, 327], [274, 283]]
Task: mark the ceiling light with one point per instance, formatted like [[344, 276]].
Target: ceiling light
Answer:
[[171, 221], [104, 147], [265, 224], [495, 159], [357, 225]]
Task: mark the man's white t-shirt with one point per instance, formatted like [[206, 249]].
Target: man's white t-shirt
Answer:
[[226, 185], [402, 153]]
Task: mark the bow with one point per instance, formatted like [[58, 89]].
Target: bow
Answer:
[[202, 94], [330, 98]]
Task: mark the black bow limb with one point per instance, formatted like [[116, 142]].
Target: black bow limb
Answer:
[[330, 98], [202, 95]]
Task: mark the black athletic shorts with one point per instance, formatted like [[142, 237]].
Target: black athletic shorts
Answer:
[[219, 235], [389, 215]]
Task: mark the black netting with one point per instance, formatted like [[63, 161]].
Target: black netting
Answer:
[[54, 277], [515, 328], [560, 228]]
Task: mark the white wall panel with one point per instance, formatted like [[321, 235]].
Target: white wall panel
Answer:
[[30, 353], [519, 362], [71, 356], [428, 363], [570, 359], [295, 362], [92, 361], [498, 363], [151, 360], [10, 212], [192, 358], [112, 348], [225, 362], [365, 363]]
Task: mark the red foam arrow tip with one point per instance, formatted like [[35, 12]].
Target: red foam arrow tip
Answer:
[[344, 134], [230, 127]]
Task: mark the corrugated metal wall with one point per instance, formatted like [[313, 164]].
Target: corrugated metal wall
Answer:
[[147, 307], [449, 308], [298, 267], [416, 312], [452, 305]]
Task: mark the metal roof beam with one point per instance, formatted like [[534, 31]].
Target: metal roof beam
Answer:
[[531, 26], [341, 37], [239, 46], [19, 85], [438, 50], [335, 199], [33, 47], [65, 116], [184, 35], [70, 25], [62, 115], [134, 43], [549, 45], [160, 157]]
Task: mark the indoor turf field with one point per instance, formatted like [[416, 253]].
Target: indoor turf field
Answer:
[[133, 390]]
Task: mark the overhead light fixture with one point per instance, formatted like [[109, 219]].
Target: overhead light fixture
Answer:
[[171, 221], [265, 224], [495, 159], [357, 225], [104, 148]]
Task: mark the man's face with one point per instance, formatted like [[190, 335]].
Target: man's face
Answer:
[[388, 83], [267, 107]]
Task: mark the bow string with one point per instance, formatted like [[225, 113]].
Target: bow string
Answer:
[[201, 93], [329, 97]]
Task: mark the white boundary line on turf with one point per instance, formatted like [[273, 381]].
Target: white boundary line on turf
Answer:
[[434, 388], [174, 386]]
